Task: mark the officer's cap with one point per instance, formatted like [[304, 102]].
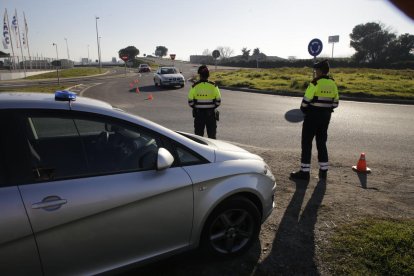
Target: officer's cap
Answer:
[[322, 65]]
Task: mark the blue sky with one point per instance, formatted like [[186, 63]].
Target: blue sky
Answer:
[[276, 27]]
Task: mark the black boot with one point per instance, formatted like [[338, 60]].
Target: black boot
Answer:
[[300, 175], [323, 174]]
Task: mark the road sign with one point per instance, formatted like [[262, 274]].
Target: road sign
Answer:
[[215, 54], [315, 47], [172, 56], [333, 39], [125, 58]]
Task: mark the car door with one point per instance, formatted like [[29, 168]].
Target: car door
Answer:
[[18, 252], [94, 204]]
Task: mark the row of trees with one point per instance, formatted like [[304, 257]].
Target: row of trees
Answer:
[[132, 52]]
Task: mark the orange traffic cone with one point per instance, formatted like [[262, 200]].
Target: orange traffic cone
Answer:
[[131, 85], [150, 97], [361, 165], [137, 90]]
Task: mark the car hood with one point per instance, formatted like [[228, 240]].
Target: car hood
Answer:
[[224, 151]]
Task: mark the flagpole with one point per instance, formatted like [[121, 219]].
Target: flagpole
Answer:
[[20, 40], [11, 40], [27, 39]]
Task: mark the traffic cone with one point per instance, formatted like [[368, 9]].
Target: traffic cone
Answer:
[[361, 165], [150, 97], [131, 85], [137, 90]]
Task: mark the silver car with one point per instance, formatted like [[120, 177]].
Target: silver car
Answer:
[[86, 188], [168, 76]]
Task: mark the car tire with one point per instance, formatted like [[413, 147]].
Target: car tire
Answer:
[[232, 228], [182, 85], [155, 83]]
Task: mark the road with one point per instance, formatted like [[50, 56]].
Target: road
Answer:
[[385, 132]]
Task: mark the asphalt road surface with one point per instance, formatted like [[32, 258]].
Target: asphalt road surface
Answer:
[[385, 132]]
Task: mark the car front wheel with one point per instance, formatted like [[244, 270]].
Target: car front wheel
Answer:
[[232, 228]]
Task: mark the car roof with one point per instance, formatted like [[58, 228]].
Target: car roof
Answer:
[[10, 100]]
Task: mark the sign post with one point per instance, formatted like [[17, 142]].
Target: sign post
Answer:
[[216, 55], [125, 59], [172, 56], [333, 39], [315, 47]]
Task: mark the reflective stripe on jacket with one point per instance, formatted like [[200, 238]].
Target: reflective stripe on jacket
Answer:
[[204, 94], [321, 93]]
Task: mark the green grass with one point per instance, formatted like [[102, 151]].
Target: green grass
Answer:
[[373, 247], [69, 73], [350, 81], [39, 88]]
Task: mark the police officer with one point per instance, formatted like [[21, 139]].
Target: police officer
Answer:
[[321, 97], [204, 97]]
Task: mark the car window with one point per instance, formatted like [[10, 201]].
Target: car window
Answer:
[[112, 147], [55, 148], [64, 147], [187, 158]]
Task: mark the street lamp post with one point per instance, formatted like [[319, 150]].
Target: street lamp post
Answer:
[[57, 62], [100, 57], [97, 41], [67, 48]]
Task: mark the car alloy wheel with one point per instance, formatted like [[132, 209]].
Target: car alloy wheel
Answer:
[[232, 228]]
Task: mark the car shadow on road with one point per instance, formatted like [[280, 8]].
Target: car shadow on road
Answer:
[[197, 263], [153, 88], [294, 116], [293, 248]]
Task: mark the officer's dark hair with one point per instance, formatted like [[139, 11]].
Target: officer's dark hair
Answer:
[[323, 66], [203, 72]]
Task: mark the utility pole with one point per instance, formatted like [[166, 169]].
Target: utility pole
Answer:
[[57, 62]]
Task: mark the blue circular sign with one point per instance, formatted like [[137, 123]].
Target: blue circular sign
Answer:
[[315, 47]]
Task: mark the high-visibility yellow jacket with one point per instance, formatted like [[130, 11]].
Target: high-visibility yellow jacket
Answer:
[[321, 94], [204, 94]]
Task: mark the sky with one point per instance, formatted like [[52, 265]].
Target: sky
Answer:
[[280, 28]]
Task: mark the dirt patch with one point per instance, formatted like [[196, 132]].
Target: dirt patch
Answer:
[[305, 217]]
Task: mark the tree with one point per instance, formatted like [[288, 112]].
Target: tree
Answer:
[[225, 52], [371, 42], [130, 51], [256, 52], [161, 51], [245, 53], [401, 49], [206, 52]]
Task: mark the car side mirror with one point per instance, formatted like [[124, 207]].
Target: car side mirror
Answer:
[[164, 159]]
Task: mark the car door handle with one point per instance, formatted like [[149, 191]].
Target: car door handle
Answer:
[[50, 203]]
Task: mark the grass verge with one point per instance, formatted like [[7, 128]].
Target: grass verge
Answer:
[[373, 247], [69, 73], [358, 82], [39, 88]]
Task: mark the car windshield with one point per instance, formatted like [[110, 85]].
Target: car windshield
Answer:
[[168, 71], [143, 65]]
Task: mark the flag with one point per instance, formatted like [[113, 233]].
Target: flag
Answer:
[[6, 34], [24, 40], [15, 26], [26, 29]]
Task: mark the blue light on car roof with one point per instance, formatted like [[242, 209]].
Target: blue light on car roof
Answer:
[[65, 95]]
